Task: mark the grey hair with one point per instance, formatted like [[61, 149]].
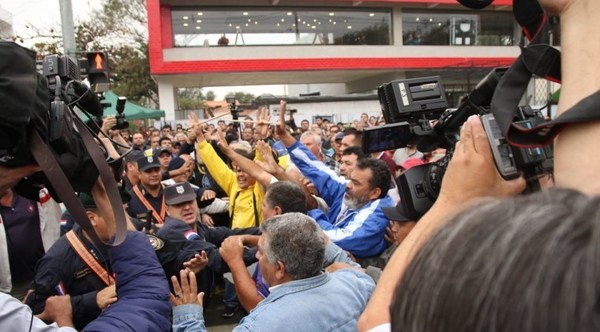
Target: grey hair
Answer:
[[297, 241], [312, 134], [530, 263]]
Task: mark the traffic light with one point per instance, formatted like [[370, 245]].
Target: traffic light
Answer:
[[98, 73]]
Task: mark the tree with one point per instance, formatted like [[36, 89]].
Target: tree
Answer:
[[243, 97], [118, 27]]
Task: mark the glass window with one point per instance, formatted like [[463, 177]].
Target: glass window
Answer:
[[455, 28], [222, 27]]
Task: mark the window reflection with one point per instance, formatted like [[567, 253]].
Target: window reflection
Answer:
[[453, 28], [280, 27]]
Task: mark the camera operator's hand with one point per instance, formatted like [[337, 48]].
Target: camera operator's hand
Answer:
[[471, 172], [107, 124]]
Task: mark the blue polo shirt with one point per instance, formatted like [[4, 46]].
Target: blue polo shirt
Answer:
[[23, 237]]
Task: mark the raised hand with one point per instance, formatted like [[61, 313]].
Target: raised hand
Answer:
[[197, 263], [222, 142], [268, 164], [232, 248], [187, 291], [197, 128], [263, 121]]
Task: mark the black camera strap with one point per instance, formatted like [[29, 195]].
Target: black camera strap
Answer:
[[57, 178], [543, 61]]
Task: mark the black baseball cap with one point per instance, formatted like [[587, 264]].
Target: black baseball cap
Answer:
[[134, 156], [179, 193], [160, 150], [395, 213], [146, 163]]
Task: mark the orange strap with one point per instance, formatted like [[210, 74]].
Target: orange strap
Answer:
[[88, 258], [160, 218]]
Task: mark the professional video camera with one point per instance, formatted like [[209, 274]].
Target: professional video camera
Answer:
[[41, 123], [417, 110]]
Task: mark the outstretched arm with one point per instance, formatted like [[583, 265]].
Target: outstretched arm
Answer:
[[580, 78], [244, 163], [471, 175]]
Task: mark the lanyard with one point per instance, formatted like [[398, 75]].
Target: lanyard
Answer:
[[88, 258], [160, 218]]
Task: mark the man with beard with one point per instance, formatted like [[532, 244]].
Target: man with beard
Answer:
[[355, 220]]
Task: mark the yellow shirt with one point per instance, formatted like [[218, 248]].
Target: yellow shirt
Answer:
[[242, 204]]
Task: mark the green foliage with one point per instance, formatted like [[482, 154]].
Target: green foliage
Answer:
[[118, 27], [193, 98], [243, 97]]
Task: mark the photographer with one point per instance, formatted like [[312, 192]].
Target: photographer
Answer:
[[578, 17], [471, 175], [142, 285]]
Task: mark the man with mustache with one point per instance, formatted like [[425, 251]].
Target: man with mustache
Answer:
[[355, 220]]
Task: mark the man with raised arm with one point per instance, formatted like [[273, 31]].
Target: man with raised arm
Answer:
[[355, 220]]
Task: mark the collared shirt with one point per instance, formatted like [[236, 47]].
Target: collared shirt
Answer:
[[137, 209], [22, 226], [333, 301]]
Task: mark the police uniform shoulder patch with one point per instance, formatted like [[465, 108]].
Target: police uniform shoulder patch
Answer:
[[155, 242]]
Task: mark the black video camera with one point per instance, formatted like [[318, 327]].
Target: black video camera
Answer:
[[415, 103], [44, 104]]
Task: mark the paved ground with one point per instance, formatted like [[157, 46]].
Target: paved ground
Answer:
[[212, 315]]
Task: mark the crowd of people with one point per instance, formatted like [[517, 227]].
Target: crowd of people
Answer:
[[309, 230]]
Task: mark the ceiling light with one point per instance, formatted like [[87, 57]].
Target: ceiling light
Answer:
[[185, 17], [230, 24], [283, 20], [197, 28], [200, 13], [331, 14], [245, 13], [277, 24], [198, 21], [289, 13], [372, 14], [185, 24], [349, 27], [430, 20], [313, 27]]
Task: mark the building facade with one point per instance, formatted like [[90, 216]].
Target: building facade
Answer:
[[330, 46]]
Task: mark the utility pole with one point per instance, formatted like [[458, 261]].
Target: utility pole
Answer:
[[68, 30]]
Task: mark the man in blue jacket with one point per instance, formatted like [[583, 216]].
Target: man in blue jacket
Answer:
[[355, 220]]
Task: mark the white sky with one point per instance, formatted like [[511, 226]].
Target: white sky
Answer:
[[30, 16]]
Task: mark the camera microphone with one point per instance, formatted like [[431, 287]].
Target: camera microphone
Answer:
[[86, 99]]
